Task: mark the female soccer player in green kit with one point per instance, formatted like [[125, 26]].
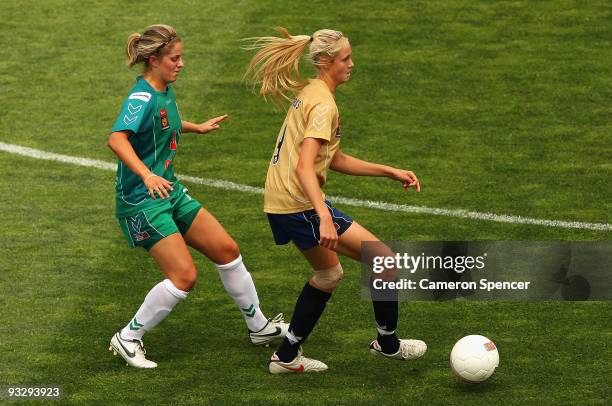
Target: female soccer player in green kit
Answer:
[[155, 210], [308, 144]]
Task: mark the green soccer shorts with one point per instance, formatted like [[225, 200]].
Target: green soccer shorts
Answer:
[[150, 225]]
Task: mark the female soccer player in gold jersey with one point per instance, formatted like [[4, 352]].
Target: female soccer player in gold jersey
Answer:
[[308, 144]]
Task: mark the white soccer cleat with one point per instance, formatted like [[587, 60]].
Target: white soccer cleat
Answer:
[[408, 349], [132, 351], [299, 364], [275, 329]]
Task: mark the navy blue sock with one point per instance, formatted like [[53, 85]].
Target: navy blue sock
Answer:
[[388, 343], [386, 314], [308, 308]]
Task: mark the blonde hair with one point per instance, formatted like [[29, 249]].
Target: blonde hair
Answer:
[[276, 64], [155, 40]]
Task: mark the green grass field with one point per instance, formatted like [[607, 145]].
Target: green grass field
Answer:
[[499, 107]]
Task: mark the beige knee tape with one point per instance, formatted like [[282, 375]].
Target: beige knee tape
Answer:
[[328, 278]]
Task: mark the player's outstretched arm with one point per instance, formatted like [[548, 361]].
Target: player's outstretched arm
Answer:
[[357, 167], [119, 144], [205, 127]]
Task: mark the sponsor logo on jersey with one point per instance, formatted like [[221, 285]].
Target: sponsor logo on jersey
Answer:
[[296, 103], [172, 146], [165, 124], [173, 141], [144, 96]]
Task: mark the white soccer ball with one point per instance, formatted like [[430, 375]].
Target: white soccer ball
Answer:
[[474, 358]]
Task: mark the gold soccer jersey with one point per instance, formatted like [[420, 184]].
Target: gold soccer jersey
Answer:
[[312, 114]]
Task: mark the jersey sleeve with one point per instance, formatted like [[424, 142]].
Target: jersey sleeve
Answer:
[[133, 113], [320, 121]]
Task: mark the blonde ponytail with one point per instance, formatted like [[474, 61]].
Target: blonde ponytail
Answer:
[[276, 64]]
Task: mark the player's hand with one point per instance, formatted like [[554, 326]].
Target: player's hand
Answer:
[[157, 185], [212, 124], [408, 179], [328, 234]]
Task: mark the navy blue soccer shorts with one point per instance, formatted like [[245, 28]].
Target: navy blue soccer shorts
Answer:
[[303, 228]]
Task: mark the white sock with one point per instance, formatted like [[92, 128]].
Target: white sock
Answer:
[[239, 284], [158, 303]]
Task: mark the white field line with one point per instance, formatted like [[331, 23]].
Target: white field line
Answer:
[[223, 184]]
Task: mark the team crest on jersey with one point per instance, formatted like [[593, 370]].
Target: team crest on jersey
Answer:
[[165, 124]]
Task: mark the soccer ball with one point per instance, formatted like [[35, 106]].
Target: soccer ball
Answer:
[[474, 358]]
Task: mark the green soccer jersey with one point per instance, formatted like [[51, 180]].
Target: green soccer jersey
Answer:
[[154, 121]]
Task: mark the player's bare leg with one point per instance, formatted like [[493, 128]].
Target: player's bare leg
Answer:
[[175, 262], [209, 237]]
